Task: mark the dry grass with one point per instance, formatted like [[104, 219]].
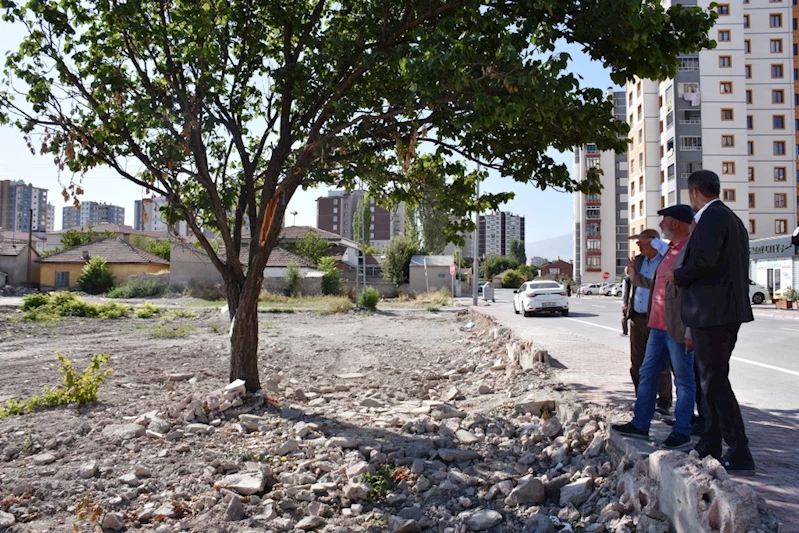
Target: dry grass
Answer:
[[325, 304], [423, 300]]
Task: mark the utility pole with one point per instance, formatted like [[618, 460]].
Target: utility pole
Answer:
[[295, 218], [476, 244], [30, 242]]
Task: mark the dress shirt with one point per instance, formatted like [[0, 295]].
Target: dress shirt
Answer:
[[698, 214], [641, 295], [657, 314]]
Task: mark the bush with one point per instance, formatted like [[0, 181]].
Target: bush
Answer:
[[96, 278], [139, 288], [110, 310], [148, 310], [34, 301], [512, 279], [206, 291], [331, 279], [61, 304], [369, 298], [396, 265], [292, 279]]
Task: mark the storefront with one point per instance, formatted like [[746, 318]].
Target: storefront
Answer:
[[774, 264]]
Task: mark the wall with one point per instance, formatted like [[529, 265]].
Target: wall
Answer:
[[418, 283], [121, 272], [17, 269]]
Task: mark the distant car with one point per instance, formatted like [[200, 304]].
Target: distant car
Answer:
[[617, 290], [607, 289], [540, 296], [758, 293], [590, 288]]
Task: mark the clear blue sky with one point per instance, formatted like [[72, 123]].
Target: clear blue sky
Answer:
[[548, 213]]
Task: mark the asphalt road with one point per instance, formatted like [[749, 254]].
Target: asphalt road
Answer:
[[764, 371]]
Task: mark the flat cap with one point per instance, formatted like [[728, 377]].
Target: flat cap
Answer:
[[680, 212]]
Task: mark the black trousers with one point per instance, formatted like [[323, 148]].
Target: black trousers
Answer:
[[713, 348]]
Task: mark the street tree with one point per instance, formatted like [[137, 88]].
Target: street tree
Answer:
[[396, 266], [517, 251], [312, 247], [228, 107], [361, 221], [430, 171]]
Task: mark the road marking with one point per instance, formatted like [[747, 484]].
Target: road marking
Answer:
[[592, 324], [600, 306], [790, 329], [770, 367]]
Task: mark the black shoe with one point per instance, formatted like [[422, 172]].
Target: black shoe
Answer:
[[675, 441], [743, 468], [629, 430], [670, 421], [663, 409]]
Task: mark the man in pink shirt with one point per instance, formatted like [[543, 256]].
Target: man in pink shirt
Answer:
[[669, 341]]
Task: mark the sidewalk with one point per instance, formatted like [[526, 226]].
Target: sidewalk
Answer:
[[600, 375]]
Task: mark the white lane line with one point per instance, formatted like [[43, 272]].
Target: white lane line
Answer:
[[592, 324], [600, 306], [790, 329], [770, 367]]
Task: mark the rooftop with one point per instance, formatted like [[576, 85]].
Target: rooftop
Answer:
[[113, 250]]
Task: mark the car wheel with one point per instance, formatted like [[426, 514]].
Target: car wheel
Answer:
[[528, 314], [565, 312], [514, 307], [758, 298], [588, 293]]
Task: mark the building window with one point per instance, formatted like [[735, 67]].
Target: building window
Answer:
[[750, 173], [632, 188], [778, 122], [748, 96], [670, 172], [780, 200], [640, 114], [779, 147], [751, 200], [687, 63], [746, 21], [632, 212], [779, 173], [750, 148], [777, 96], [691, 143], [749, 122], [592, 262], [747, 46], [775, 20], [62, 279], [775, 45], [728, 167], [725, 87], [687, 168], [727, 114], [725, 61], [728, 195], [748, 71], [724, 35], [593, 244], [727, 141], [780, 226], [690, 116], [592, 212], [723, 9], [776, 71], [751, 226]]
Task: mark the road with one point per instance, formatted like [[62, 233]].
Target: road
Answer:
[[764, 371]]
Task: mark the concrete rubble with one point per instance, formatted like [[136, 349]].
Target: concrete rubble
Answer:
[[484, 447]]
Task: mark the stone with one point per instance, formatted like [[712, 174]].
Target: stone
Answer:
[[351, 375], [484, 389], [452, 394], [179, 377], [7, 520], [44, 459], [113, 521], [530, 492], [342, 442], [166, 510], [288, 447], [236, 387], [245, 483], [356, 491], [398, 524], [318, 508], [577, 493], [456, 455], [535, 405], [129, 479], [371, 402], [310, 523], [551, 427], [483, 519], [466, 437], [539, 523], [123, 431], [444, 411], [199, 429], [235, 510], [87, 470]]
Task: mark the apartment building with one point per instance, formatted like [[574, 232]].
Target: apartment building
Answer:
[[50, 217], [497, 231], [22, 206], [600, 220], [91, 213], [334, 213], [147, 217], [728, 110]]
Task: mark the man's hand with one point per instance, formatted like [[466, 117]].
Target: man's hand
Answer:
[[689, 345], [670, 276], [631, 267]]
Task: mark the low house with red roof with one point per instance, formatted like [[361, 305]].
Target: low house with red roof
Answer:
[[62, 269]]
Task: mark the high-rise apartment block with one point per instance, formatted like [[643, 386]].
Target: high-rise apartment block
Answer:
[[334, 213], [50, 218], [92, 213], [147, 217], [732, 110], [600, 220], [497, 231], [22, 207]]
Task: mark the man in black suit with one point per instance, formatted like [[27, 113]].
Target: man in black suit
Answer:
[[715, 302]]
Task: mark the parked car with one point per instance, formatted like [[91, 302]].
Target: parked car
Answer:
[[758, 293], [590, 288], [607, 289], [540, 296], [617, 290]]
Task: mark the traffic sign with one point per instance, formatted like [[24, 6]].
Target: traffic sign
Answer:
[[606, 275], [452, 269]]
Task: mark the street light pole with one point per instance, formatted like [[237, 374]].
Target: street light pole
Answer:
[[475, 246]]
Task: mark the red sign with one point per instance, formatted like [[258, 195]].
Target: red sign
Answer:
[[606, 275], [452, 269]]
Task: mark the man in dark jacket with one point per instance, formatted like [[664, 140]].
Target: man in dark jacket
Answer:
[[625, 303], [714, 277]]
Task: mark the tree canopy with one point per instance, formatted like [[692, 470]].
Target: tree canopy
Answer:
[[227, 107]]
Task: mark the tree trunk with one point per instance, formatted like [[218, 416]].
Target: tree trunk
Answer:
[[244, 340]]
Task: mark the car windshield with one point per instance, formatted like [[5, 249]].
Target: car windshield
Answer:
[[545, 285]]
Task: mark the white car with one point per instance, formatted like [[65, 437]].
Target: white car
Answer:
[[607, 290], [758, 293], [617, 290], [590, 288], [540, 296]]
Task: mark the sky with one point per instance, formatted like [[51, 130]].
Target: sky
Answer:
[[547, 213]]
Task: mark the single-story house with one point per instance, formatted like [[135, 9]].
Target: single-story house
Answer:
[[53, 238], [555, 269], [430, 273], [37, 239], [62, 270], [14, 263]]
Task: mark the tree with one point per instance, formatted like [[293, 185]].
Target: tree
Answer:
[[429, 169], [78, 237], [517, 251], [227, 107], [160, 248], [396, 265], [331, 277], [312, 247], [96, 278], [496, 264], [361, 221]]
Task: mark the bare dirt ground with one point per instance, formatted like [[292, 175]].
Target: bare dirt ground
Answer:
[[400, 421]]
